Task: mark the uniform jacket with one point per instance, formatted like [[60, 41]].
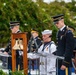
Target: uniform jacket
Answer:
[[47, 58], [32, 46], [8, 48], [65, 45]]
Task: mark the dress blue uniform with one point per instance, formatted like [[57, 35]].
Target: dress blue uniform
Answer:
[[34, 42], [33, 45], [9, 48], [65, 46]]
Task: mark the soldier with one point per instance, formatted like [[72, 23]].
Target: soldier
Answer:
[[34, 42], [65, 45], [33, 45], [14, 26], [47, 57], [74, 51]]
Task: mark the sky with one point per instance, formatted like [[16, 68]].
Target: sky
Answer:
[[53, 0]]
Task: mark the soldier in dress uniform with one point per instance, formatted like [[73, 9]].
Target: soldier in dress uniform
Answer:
[[33, 45], [34, 42], [14, 26], [65, 45], [74, 51]]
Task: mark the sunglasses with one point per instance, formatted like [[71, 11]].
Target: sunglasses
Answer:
[[11, 27], [56, 23]]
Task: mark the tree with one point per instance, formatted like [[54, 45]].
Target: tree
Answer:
[[33, 15]]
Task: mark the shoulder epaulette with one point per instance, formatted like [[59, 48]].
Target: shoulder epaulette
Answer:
[[69, 31]]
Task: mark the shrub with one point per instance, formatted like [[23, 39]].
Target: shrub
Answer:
[[3, 73]]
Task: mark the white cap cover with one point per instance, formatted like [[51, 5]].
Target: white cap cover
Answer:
[[47, 32]]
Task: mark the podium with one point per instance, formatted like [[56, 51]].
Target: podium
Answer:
[[23, 38]]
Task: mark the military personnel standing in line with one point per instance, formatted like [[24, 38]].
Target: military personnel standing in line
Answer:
[[47, 57], [65, 45], [74, 51], [33, 45], [34, 42], [14, 26]]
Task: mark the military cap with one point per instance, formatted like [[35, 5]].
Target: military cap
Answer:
[[57, 18], [34, 30], [47, 32], [14, 23]]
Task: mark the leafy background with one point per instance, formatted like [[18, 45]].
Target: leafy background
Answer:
[[35, 15]]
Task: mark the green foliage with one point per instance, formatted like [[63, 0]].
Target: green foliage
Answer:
[[3, 73], [12, 73], [17, 73], [34, 15]]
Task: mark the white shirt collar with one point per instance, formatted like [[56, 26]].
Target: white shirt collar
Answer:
[[62, 28], [17, 31]]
